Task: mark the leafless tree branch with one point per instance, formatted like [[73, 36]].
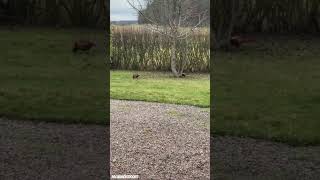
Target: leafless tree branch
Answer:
[[172, 18]]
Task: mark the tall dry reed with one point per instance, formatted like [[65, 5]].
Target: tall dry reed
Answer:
[[137, 48]]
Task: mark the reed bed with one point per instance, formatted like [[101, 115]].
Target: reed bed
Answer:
[[137, 48]]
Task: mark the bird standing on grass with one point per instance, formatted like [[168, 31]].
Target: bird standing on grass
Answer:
[[237, 41], [83, 45], [135, 76]]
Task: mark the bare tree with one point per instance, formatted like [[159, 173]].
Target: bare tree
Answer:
[[225, 13], [173, 19]]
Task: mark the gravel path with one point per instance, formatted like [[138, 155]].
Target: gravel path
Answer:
[[159, 141], [163, 141], [245, 158], [153, 140], [49, 151]]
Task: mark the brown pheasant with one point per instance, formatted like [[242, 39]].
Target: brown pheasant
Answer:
[[237, 41], [83, 45]]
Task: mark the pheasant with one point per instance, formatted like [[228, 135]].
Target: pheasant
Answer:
[[83, 45], [237, 41]]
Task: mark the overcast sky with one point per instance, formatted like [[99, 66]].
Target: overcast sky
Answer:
[[120, 10]]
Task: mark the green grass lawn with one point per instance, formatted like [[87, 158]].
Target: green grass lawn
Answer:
[[270, 90], [42, 79], [161, 87]]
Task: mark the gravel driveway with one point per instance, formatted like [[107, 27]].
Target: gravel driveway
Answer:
[[159, 141], [163, 141], [246, 158], [153, 140], [49, 151]]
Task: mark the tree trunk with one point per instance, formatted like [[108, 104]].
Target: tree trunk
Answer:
[[174, 58], [183, 64], [224, 19]]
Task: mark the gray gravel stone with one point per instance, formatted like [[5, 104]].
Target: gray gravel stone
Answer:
[[246, 158], [159, 141], [49, 151], [156, 141]]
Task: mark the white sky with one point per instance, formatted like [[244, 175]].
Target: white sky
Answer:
[[120, 10]]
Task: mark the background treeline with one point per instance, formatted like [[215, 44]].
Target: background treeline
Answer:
[[277, 16], [262, 15], [268, 15], [88, 13], [137, 48], [200, 6]]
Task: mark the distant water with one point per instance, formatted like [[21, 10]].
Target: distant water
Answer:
[[124, 22]]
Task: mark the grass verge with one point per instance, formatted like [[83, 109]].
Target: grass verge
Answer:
[[41, 79], [161, 87], [269, 90]]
